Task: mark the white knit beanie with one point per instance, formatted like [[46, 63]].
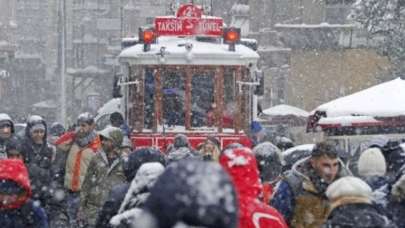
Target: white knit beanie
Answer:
[[372, 163], [348, 186]]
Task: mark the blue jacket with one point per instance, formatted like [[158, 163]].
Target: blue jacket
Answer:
[[283, 200]]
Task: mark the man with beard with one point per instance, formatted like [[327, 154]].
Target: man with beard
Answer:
[[81, 147], [105, 173], [300, 197]]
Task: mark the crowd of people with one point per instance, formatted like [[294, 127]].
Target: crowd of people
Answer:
[[50, 177]]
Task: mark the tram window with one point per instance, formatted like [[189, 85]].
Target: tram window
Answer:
[[173, 98], [202, 98], [230, 97], [229, 86], [149, 98]]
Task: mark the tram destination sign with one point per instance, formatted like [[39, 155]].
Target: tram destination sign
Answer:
[[189, 22]]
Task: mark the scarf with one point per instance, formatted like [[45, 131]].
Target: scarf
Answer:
[[87, 139]]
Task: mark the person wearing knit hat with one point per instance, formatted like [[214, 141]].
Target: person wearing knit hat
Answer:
[[351, 205], [257, 133], [372, 163], [372, 169], [106, 172], [76, 148], [38, 156]]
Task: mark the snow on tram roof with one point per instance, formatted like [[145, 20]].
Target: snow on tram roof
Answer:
[[201, 53]]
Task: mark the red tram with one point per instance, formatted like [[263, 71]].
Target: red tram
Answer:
[[188, 74]]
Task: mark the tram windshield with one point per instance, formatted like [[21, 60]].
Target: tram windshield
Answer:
[[167, 95]]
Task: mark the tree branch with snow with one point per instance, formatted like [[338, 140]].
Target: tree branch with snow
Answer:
[[384, 23]]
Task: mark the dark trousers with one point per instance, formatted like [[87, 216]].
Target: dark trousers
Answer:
[[73, 204]]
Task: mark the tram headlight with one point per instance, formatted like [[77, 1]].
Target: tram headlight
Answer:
[[231, 36], [147, 36]]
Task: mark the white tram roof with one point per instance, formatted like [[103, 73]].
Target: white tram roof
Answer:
[[202, 53]]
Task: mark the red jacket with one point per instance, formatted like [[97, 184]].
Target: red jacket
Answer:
[[240, 163], [15, 170]]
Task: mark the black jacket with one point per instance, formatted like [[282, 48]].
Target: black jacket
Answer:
[[38, 159], [360, 215]]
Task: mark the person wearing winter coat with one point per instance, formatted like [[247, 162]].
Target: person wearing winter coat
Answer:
[[117, 120], [138, 192], [105, 173], [131, 166], [190, 193], [75, 151], [300, 196], [241, 165], [126, 146], [396, 202], [269, 163], [210, 149], [16, 208], [38, 156], [392, 150], [352, 206], [6, 134], [372, 169], [55, 131], [181, 149], [258, 134]]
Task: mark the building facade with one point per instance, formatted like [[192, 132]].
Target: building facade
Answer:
[[310, 52]]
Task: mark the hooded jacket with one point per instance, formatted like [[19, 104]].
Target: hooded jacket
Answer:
[[22, 212], [269, 163], [38, 159], [242, 167], [300, 196], [5, 142], [351, 205], [99, 181], [139, 190], [131, 165]]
